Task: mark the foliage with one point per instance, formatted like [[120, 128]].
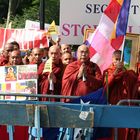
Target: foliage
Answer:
[[29, 9]]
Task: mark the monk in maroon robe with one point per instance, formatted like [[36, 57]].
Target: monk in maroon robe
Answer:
[[15, 58], [138, 74], [121, 83], [21, 132], [4, 57], [82, 76], [36, 55], [55, 75]]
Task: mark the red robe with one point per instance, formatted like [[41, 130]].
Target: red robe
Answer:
[[71, 86], [3, 60], [121, 86], [44, 82], [138, 81], [20, 132]]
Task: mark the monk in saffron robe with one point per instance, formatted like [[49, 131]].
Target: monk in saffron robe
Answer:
[[55, 75], [121, 83], [82, 76]]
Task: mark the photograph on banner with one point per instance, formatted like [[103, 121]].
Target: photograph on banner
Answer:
[[131, 49], [18, 79], [27, 72]]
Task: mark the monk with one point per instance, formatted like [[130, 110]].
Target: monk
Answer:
[[4, 57], [65, 48], [121, 83], [15, 45], [138, 74], [55, 75], [20, 131], [15, 58], [36, 56], [82, 76], [66, 58]]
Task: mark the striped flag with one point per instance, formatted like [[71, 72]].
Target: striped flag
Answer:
[[109, 35]]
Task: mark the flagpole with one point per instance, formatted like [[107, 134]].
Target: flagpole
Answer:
[[42, 14], [122, 49], [107, 86], [9, 13]]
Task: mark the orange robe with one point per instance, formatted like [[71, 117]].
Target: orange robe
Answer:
[[71, 86], [121, 86]]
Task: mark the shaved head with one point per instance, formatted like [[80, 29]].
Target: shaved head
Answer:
[[66, 58], [15, 57], [116, 57], [65, 48], [83, 53], [54, 53], [37, 54]]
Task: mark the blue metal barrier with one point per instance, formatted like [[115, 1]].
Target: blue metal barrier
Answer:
[[43, 114]]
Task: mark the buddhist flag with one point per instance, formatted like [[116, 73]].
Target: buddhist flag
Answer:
[[109, 35], [52, 29]]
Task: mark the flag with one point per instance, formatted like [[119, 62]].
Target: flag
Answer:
[[96, 97], [109, 35], [52, 28]]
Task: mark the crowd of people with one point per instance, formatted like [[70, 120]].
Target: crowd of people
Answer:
[[77, 76]]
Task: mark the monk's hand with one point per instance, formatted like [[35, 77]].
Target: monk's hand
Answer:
[[25, 59], [119, 67], [82, 71], [139, 89], [49, 37], [52, 76]]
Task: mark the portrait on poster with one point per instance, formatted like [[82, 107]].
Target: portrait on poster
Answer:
[[11, 73]]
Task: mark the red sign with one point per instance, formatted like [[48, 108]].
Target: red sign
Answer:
[[27, 38]]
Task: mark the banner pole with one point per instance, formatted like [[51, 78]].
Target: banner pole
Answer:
[[42, 14]]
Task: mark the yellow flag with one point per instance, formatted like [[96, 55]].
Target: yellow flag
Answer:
[[48, 66], [52, 28]]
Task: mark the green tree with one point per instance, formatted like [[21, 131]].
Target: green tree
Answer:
[[21, 10]]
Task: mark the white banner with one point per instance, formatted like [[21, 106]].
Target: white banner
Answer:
[[77, 15], [29, 24], [34, 25]]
